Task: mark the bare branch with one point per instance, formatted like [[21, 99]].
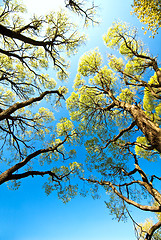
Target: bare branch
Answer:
[[154, 176], [77, 7]]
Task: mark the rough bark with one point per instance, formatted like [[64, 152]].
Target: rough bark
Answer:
[[150, 129]]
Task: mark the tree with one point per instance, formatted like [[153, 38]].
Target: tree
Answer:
[[149, 14], [118, 110], [28, 133]]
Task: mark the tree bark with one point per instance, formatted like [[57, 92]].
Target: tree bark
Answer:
[[8, 174], [152, 230], [150, 129]]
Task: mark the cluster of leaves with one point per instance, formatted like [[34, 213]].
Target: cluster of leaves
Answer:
[[148, 11]]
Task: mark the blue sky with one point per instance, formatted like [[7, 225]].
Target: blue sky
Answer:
[[28, 214]]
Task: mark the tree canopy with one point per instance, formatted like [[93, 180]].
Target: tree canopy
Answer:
[[114, 110], [28, 132], [118, 110]]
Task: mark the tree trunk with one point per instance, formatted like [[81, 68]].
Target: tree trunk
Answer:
[[150, 129]]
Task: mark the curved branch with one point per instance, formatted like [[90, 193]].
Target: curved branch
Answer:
[[145, 147], [76, 7], [5, 176], [134, 52], [142, 83], [34, 25], [54, 177], [145, 182], [5, 113], [127, 200], [33, 173], [152, 63], [10, 54], [154, 176]]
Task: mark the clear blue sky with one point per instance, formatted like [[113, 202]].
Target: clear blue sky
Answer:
[[28, 214]]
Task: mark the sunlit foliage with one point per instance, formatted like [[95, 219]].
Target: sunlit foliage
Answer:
[[118, 112], [29, 46], [148, 12]]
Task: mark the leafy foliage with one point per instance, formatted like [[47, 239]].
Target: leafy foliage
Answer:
[[148, 11], [29, 95], [114, 109], [117, 110]]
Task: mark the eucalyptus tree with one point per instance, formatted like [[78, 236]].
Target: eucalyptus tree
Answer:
[[117, 107]]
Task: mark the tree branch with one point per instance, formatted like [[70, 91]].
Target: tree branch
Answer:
[[152, 230], [39, 173], [33, 173], [76, 7], [5, 113], [5, 176], [153, 176], [120, 134], [16, 35], [127, 200]]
